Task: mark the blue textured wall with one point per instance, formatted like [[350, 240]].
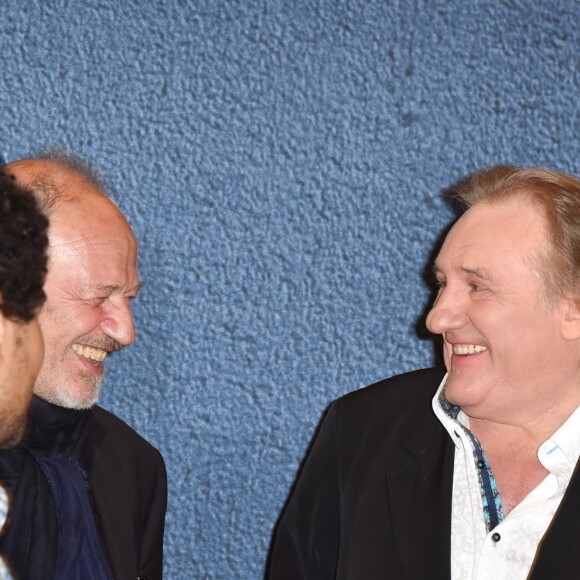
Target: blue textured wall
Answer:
[[282, 163]]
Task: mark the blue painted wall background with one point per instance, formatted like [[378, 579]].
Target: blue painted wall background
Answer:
[[282, 164]]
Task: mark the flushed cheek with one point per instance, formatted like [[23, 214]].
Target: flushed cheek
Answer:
[[58, 339], [82, 326], [86, 319]]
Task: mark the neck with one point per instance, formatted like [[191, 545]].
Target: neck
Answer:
[[528, 430]]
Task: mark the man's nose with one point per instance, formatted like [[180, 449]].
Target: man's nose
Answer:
[[118, 322], [448, 313]]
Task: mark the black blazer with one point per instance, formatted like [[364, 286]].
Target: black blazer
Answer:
[[129, 485], [373, 499]]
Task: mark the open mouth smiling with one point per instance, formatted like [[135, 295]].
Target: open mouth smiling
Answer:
[[465, 349], [90, 352]]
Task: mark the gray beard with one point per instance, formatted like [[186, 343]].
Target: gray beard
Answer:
[[62, 398]]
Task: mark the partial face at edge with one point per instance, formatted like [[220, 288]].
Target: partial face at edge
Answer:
[[21, 355]]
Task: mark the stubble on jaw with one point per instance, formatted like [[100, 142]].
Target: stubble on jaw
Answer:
[[71, 401], [60, 394], [53, 385], [12, 427], [60, 383]]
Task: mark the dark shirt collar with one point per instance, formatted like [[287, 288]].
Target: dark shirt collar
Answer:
[[57, 431]]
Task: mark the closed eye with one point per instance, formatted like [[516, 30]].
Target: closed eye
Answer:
[[96, 300]]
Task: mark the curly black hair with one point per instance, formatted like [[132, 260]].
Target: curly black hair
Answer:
[[23, 251]]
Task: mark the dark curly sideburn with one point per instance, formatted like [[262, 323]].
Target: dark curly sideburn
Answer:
[[23, 251]]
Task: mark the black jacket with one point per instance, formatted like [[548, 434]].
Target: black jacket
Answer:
[[129, 486], [374, 496], [127, 492]]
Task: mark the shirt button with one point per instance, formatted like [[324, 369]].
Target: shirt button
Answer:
[[496, 537], [481, 464]]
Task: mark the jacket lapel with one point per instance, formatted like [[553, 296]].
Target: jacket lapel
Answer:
[[109, 491], [558, 555], [419, 494]]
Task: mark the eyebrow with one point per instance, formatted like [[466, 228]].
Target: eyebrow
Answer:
[[481, 273], [115, 287]]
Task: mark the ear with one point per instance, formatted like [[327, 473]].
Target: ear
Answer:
[[571, 318]]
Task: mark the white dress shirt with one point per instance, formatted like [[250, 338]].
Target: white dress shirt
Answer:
[[4, 574], [507, 551]]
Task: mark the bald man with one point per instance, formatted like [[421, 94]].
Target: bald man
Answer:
[[89, 493]]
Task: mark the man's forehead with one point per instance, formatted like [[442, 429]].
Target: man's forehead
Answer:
[[90, 220], [106, 249], [92, 246], [504, 217], [489, 235], [92, 275]]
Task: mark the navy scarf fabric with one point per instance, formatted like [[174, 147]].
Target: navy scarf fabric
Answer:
[[51, 531]]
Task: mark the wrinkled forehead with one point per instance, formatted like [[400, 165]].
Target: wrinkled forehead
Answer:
[[91, 223]]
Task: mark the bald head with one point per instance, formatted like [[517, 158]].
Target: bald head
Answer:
[[54, 181]]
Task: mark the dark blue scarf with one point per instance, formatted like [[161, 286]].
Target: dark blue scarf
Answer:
[[51, 532]]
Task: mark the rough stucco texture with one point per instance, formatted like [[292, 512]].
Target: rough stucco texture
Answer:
[[282, 163]]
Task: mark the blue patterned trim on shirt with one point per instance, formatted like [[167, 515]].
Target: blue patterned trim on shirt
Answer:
[[490, 499]]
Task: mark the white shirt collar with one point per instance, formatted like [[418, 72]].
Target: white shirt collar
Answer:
[[560, 451]]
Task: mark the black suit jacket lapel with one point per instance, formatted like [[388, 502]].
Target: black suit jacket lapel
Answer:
[[558, 555], [108, 488], [420, 492]]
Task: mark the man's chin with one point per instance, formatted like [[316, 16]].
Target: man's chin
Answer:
[[456, 390], [77, 398]]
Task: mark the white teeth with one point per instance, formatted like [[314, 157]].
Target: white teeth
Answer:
[[89, 352], [463, 349]]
